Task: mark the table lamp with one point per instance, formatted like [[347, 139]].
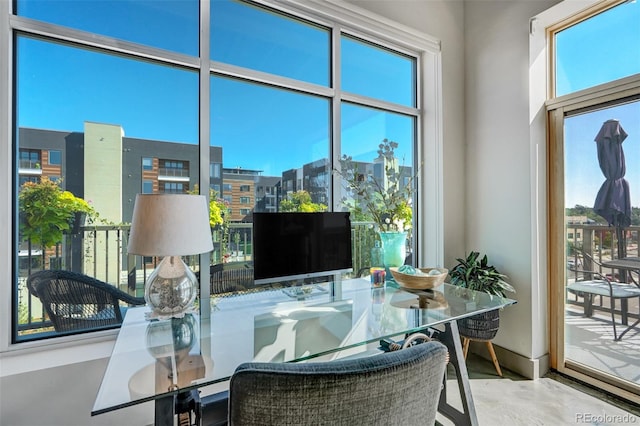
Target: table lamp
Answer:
[[170, 225]]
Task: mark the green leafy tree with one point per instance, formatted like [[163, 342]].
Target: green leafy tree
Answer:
[[580, 210], [217, 207], [46, 211], [218, 214], [300, 201]]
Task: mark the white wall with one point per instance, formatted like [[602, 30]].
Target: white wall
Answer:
[[503, 222], [442, 19], [63, 396], [490, 166]]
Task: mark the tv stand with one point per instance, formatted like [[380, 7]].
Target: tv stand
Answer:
[[304, 291]]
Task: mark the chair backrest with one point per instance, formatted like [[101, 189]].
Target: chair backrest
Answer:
[[75, 301], [230, 277], [401, 387]]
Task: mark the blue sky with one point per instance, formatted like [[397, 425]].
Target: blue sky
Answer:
[[601, 49], [60, 87]]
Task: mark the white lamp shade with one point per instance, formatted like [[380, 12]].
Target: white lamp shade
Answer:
[[170, 225]]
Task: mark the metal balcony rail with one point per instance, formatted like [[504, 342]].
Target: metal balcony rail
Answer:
[[588, 246], [101, 252], [173, 172], [30, 164]]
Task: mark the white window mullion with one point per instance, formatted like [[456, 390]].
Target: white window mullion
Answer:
[[204, 141], [336, 111]]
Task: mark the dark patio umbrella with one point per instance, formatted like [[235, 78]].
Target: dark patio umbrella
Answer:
[[613, 201]]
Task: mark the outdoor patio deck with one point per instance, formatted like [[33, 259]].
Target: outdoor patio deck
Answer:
[[589, 341]]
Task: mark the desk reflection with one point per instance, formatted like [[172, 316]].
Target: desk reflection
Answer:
[[170, 342], [300, 331]]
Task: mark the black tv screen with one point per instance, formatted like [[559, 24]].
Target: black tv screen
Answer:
[[288, 246]]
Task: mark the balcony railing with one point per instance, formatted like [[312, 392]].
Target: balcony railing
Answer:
[[598, 242], [588, 246], [173, 172], [30, 164], [101, 252]]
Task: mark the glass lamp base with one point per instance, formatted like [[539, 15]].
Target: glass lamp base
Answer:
[[171, 289]]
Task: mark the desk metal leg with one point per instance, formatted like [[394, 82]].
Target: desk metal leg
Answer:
[[451, 339], [165, 411]]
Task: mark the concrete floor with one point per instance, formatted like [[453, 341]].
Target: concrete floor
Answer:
[[553, 400]]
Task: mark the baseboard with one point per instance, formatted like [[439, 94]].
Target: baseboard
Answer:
[[526, 367]]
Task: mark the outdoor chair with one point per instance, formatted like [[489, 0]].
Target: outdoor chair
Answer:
[[75, 301], [594, 283], [400, 387], [230, 277]]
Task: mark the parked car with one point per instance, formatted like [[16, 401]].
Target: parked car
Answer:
[[571, 264]]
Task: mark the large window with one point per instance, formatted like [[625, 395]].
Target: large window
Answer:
[[104, 122], [114, 91]]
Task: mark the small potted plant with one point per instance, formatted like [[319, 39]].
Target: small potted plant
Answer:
[[475, 273]]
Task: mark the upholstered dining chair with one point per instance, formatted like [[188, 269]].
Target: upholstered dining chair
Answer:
[[75, 301], [400, 387]]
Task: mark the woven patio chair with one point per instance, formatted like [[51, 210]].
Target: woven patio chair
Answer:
[[75, 301]]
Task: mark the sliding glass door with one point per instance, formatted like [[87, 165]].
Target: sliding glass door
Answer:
[[595, 219]]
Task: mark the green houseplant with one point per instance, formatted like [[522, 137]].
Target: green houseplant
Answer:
[[476, 273], [384, 199]]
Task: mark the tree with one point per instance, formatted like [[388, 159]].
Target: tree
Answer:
[[217, 207], [47, 212], [218, 219], [300, 201]]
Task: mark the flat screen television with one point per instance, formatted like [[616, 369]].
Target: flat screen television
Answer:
[[294, 246]]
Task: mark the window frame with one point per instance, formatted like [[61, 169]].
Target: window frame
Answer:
[[50, 155], [342, 18], [546, 131]]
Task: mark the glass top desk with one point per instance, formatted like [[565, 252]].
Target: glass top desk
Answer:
[[158, 360]]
